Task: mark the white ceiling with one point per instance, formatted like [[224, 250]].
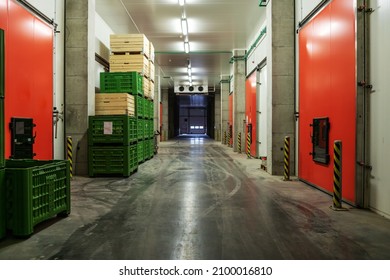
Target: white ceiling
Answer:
[[216, 28]]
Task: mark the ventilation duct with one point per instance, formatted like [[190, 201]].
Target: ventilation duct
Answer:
[[192, 89]]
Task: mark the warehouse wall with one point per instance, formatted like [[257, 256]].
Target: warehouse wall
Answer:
[[379, 131], [102, 34], [29, 74], [259, 53]]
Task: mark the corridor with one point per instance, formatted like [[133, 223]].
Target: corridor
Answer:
[[197, 199]]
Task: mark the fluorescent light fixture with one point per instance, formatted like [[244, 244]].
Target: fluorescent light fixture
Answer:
[[186, 47], [181, 2], [189, 72], [184, 26], [190, 79]]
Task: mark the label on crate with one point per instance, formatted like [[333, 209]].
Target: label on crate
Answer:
[[107, 128]]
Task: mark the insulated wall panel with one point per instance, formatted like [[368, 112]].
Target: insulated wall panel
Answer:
[[327, 88], [378, 127]]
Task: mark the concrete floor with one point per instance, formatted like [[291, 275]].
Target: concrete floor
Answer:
[[197, 199]]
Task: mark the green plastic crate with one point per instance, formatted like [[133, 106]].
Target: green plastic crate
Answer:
[[2, 204], [150, 108], [112, 160], [112, 130], [35, 191], [140, 129], [151, 129], [140, 151], [148, 129], [140, 107], [148, 148], [130, 82], [133, 157]]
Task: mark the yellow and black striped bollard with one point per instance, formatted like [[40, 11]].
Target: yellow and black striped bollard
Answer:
[[337, 175], [69, 153], [239, 142], [224, 138], [286, 158], [248, 145], [229, 138]]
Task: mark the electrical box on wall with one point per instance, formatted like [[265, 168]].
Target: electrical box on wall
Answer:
[[22, 138]]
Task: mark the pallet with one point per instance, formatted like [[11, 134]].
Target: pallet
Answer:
[[121, 43], [114, 104]]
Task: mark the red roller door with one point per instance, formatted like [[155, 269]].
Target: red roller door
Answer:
[[327, 88], [29, 74]]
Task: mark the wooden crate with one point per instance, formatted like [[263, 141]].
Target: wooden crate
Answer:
[[114, 104], [151, 52], [151, 90], [129, 63], [130, 43], [146, 82], [151, 71]]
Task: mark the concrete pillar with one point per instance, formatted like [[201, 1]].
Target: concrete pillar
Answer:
[[238, 96], [79, 77], [165, 117], [280, 60], [225, 88], [218, 117]]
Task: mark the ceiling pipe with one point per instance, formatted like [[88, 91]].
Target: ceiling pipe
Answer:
[[251, 49]]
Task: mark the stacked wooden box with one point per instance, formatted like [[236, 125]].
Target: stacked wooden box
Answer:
[[134, 52]]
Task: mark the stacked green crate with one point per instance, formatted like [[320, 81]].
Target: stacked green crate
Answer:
[[140, 151], [130, 82], [112, 160], [150, 106], [146, 149], [151, 129], [36, 191], [140, 129], [140, 107], [121, 130], [113, 139]]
